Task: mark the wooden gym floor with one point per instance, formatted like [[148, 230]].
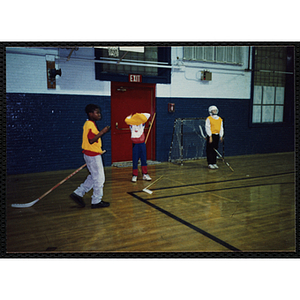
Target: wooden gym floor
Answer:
[[192, 209]]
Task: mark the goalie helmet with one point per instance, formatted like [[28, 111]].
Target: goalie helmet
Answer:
[[211, 108]]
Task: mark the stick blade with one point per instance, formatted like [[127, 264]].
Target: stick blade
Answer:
[[19, 205], [147, 191]]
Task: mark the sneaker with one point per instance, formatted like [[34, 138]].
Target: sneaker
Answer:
[[216, 167], [134, 178], [100, 204], [77, 199], [211, 166], [146, 177]]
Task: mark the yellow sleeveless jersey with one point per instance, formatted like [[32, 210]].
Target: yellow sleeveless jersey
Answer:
[[215, 125], [89, 131]]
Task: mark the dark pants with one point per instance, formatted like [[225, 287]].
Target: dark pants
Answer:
[[210, 152], [139, 152]]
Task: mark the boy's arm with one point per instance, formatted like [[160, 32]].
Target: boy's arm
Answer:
[[97, 136], [208, 131], [221, 132]]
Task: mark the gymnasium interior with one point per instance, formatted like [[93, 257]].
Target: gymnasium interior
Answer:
[[245, 207]]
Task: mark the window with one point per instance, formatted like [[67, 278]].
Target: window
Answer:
[[269, 84], [145, 61], [216, 54], [149, 54]]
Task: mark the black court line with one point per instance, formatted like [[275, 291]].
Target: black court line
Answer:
[[210, 236], [207, 191], [222, 181]]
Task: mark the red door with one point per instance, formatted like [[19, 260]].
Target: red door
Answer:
[[129, 98]]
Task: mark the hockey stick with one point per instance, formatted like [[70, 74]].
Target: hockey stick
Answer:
[[146, 188], [18, 205], [202, 132], [150, 127], [226, 163]]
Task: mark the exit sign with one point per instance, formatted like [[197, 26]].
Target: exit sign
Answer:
[[135, 78]]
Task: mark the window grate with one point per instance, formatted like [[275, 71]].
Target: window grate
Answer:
[[216, 54], [269, 84], [150, 54]]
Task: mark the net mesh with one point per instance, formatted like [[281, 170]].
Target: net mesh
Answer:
[[187, 142]]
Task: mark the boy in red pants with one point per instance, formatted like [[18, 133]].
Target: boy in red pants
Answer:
[[136, 124]]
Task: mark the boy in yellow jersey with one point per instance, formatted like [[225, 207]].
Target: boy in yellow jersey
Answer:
[[215, 132], [92, 150]]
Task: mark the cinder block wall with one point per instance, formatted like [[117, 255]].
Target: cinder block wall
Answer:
[[240, 137], [44, 132]]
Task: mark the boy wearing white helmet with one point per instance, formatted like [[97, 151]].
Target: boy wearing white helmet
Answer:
[[215, 132]]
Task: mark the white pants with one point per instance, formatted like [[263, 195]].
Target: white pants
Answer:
[[95, 180]]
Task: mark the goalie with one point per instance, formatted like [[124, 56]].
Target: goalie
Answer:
[[215, 132]]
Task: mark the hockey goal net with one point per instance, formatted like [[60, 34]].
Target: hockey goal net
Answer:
[[188, 142]]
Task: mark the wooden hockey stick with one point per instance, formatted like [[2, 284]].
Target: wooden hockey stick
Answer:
[[19, 205], [150, 128], [226, 163], [146, 188], [202, 132]]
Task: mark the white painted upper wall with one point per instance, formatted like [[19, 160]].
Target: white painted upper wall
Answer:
[[26, 73], [227, 81]]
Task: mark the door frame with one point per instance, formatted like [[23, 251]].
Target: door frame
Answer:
[[151, 143]]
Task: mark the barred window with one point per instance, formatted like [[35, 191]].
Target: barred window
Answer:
[[149, 54], [149, 61], [269, 84], [232, 55]]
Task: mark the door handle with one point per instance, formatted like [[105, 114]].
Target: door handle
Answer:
[[117, 127]]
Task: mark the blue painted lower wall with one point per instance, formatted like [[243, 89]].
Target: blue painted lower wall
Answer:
[[241, 137], [44, 131]]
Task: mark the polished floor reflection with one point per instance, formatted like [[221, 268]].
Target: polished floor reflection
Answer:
[[191, 209]]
